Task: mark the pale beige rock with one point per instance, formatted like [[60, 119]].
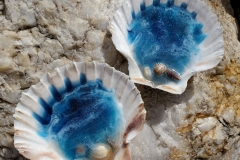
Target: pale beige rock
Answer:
[[229, 115], [6, 63], [206, 124], [144, 144]]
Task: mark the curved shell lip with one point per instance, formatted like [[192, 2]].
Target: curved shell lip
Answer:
[[211, 49], [31, 145]]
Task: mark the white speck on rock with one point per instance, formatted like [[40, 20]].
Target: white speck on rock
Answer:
[[95, 38], [206, 124], [229, 115], [230, 89]]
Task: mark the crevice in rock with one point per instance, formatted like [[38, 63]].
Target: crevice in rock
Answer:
[[236, 8], [25, 28], [2, 7], [4, 101]]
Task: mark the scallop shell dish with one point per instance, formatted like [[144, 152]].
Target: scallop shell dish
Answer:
[[167, 41], [84, 110]]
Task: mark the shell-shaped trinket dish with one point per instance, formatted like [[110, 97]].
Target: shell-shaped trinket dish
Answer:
[[167, 41], [82, 111]]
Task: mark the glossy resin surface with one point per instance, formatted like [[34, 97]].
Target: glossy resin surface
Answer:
[[167, 34], [81, 111], [80, 118]]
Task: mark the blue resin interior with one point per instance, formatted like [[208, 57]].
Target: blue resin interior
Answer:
[[165, 33], [84, 116]]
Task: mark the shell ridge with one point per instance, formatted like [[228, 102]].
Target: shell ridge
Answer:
[[128, 109], [123, 23], [119, 25], [212, 44], [192, 6], [31, 122], [78, 74], [33, 138], [94, 70], [214, 49], [52, 89], [130, 86], [148, 2], [136, 124], [21, 125], [126, 9], [25, 132], [211, 21], [43, 92], [67, 85], [218, 43], [117, 88], [24, 145], [135, 6], [136, 98], [111, 85], [85, 69], [69, 67], [27, 104], [90, 71], [104, 70], [125, 90], [201, 15], [137, 104], [210, 29], [44, 103], [215, 61], [40, 98], [215, 36], [75, 67], [72, 74], [214, 55], [45, 81], [57, 81]]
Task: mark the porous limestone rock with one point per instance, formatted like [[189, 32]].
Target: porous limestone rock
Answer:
[[38, 36]]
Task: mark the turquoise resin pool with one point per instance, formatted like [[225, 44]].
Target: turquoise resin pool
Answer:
[[83, 116], [165, 33]]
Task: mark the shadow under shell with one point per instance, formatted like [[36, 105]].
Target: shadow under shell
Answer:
[[83, 116], [165, 33]]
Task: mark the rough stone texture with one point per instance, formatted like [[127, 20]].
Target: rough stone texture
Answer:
[[38, 36]]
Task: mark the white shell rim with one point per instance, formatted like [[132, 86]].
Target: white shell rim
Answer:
[[33, 146], [212, 48]]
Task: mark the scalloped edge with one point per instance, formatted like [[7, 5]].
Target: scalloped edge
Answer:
[[212, 52], [33, 146]]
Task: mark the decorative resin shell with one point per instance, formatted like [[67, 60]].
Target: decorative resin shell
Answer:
[[33, 146], [211, 49]]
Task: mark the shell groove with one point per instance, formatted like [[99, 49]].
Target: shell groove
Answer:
[[132, 24], [38, 109]]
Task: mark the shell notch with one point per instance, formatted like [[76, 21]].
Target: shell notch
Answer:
[[167, 41], [81, 110]]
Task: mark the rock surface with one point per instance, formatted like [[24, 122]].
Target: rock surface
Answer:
[[38, 36]]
